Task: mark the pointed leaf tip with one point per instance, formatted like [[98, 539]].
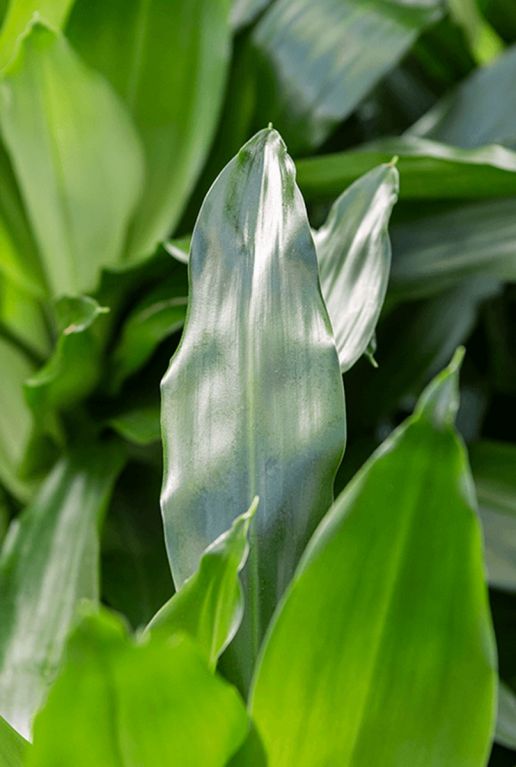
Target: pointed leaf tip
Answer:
[[440, 401]]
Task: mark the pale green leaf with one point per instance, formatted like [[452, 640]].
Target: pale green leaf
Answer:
[[393, 661], [481, 110], [494, 469], [354, 255], [121, 704], [20, 14], [320, 59], [209, 605], [429, 170], [167, 59], [252, 403], [48, 563], [13, 748], [81, 150]]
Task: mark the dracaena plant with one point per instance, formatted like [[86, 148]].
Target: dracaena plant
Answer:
[[315, 589]]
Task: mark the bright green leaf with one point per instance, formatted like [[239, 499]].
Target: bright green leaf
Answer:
[[429, 170], [393, 661], [320, 59], [167, 59], [209, 605], [20, 14], [494, 469], [13, 748], [48, 563], [120, 703], [81, 150], [354, 255], [252, 403]]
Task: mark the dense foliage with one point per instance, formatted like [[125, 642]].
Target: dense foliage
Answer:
[[332, 577]]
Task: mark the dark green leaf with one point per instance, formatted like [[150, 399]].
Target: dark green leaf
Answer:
[[354, 255], [253, 401], [74, 367], [393, 661], [13, 748], [506, 721], [168, 62], [81, 150], [48, 563], [435, 252], [428, 170], [481, 111], [209, 605], [140, 425], [494, 469], [320, 59], [124, 704]]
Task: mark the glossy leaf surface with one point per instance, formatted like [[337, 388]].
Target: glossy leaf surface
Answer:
[[252, 403], [481, 110], [387, 606], [429, 170], [13, 747], [438, 251], [81, 150], [320, 59], [354, 255], [494, 469], [209, 605], [49, 563], [168, 61], [94, 710]]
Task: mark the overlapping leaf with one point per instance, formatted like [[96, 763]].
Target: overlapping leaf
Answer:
[[382, 649], [119, 703], [252, 401], [168, 61], [48, 563]]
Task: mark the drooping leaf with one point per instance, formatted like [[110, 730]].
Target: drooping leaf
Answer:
[[494, 469], [15, 417], [20, 14], [393, 660], [209, 605], [74, 367], [429, 170], [81, 150], [13, 748], [506, 720], [481, 110], [168, 61], [438, 251], [48, 563], [252, 403], [119, 703], [354, 255], [320, 59], [161, 313]]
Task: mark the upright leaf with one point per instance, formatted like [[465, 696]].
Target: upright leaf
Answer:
[[354, 254], [167, 59], [393, 661], [481, 110], [209, 605], [320, 59], [15, 417], [494, 469], [119, 703], [13, 748], [48, 563], [81, 150], [252, 403]]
